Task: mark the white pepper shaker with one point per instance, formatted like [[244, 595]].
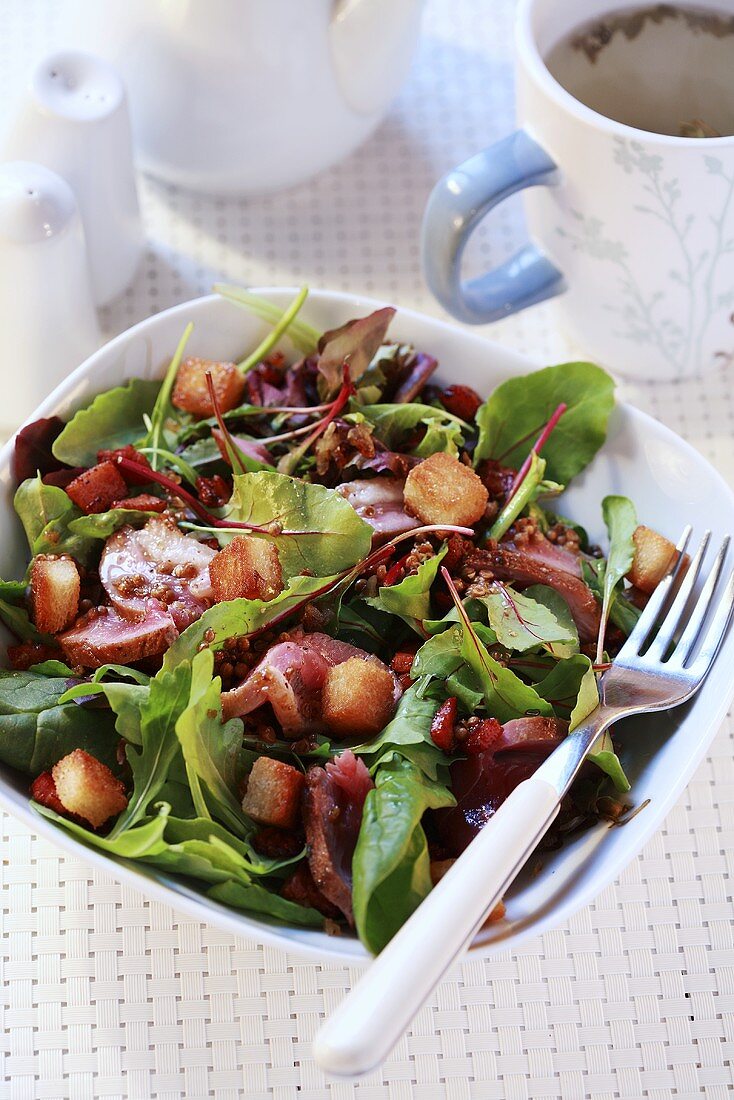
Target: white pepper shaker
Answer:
[[75, 121], [47, 316]]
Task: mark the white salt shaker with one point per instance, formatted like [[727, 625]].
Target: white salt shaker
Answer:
[[47, 316], [75, 121]]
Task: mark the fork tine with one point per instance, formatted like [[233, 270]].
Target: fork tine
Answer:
[[716, 632], [669, 625], [694, 626], [646, 621]]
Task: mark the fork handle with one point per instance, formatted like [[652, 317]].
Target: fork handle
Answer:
[[369, 1021]]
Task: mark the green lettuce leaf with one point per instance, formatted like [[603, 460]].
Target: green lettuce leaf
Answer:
[[621, 521], [391, 865], [47, 513], [167, 697], [514, 416], [392, 422], [211, 748], [331, 537], [114, 419], [539, 616], [410, 600]]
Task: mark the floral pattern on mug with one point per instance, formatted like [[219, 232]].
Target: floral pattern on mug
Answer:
[[652, 316]]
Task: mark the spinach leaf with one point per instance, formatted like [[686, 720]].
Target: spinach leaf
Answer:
[[47, 513], [410, 600], [513, 417], [103, 524], [257, 899], [391, 865], [621, 520], [114, 419], [18, 622], [440, 656], [36, 730], [238, 618], [211, 748], [409, 734], [126, 700], [331, 536]]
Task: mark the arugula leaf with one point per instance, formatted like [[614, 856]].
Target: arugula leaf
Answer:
[[134, 843], [621, 521], [525, 620], [36, 730], [410, 600], [167, 697], [238, 618], [622, 612], [113, 419], [211, 747], [391, 865], [331, 537], [354, 343], [510, 421]]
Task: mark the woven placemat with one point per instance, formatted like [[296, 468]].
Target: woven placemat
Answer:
[[106, 994]]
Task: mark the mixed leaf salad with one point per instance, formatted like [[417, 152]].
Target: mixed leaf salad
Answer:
[[292, 631]]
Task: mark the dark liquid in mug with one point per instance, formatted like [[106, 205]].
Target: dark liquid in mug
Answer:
[[666, 69]]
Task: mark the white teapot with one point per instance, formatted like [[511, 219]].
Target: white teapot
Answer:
[[247, 96]]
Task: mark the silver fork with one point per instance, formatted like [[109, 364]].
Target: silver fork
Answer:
[[653, 671]]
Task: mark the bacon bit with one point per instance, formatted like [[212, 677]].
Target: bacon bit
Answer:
[[482, 736], [277, 843], [128, 451], [27, 654], [461, 401], [43, 791], [442, 726], [395, 572], [95, 490], [213, 491], [143, 502], [301, 889], [403, 660]]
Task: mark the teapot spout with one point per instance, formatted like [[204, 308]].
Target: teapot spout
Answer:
[[372, 44]]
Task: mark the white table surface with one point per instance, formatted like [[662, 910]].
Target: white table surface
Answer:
[[108, 995]]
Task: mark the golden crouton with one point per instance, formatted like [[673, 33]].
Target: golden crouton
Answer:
[[654, 555], [87, 788], [358, 698], [97, 489], [443, 490], [247, 568], [54, 592], [273, 795], [191, 392]]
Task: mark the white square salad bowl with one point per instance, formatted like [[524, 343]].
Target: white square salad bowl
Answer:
[[670, 484]]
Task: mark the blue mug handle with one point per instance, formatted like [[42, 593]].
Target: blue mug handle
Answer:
[[455, 208]]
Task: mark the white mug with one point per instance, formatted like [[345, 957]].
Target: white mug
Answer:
[[633, 230], [74, 120], [248, 96]]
